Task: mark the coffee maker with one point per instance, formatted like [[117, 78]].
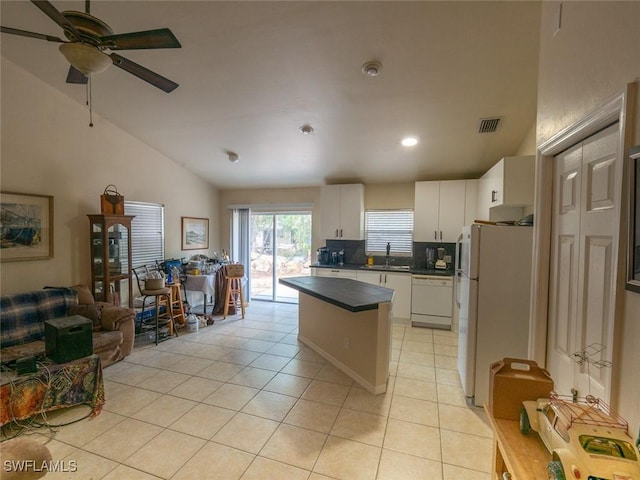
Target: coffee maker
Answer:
[[322, 256]]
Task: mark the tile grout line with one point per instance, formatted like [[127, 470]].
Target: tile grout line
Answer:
[[180, 356]]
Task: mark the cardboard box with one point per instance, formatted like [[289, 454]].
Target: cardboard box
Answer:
[[511, 381]]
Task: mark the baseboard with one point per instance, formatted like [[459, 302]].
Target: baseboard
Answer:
[[405, 322], [375, 390]]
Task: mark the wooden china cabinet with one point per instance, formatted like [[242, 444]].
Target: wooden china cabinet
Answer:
[[110, 237]]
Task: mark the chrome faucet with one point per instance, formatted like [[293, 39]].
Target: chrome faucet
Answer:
[[387, 259]]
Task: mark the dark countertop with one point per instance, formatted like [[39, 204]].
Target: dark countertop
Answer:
[[381, 268], [345, 293]]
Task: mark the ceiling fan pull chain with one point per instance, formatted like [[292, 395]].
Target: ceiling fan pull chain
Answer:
[[90, 101]]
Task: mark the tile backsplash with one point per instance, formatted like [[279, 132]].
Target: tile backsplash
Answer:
[[354, 253], [420, 255], [353, 250]]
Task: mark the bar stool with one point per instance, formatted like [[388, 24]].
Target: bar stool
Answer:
[[162, 296], [233, 286], [177, 307]]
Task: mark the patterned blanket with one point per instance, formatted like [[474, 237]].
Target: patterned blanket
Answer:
[[22, 315], [54, 386]]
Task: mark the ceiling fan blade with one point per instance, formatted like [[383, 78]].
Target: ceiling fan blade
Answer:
[[24, 33], [53, 13], [143, 73], [76, 76], [161, 38]]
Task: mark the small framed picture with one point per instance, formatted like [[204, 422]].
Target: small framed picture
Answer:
[[26, 226], [195, 233]]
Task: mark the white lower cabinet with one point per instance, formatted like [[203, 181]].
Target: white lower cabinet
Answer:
[[333, 272], [399, 282]]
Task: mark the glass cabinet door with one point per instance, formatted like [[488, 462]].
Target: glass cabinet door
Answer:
[[111, 257]]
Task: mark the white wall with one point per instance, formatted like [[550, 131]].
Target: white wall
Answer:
[[48, 148], [591, 59], [271, 196], [388, 196], [528, 145]]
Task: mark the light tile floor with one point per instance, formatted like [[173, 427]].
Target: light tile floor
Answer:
[[243, 399]]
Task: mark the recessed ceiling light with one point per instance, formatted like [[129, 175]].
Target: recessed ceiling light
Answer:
[[409, 141], [233, 157], [372, 69], [306, 129]]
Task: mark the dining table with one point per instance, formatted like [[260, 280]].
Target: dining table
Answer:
[[196, 285]]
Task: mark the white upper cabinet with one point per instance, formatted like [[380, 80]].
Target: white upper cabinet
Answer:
[[439, 211], [426, 210], [451, 211], [509, 184], [342, 212]]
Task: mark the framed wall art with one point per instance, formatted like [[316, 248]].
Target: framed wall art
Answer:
[[195, 233], [26, 226], [633, 245]]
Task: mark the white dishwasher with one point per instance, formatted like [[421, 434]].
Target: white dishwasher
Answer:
[[431, 301]]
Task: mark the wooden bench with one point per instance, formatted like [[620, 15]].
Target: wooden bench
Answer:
[[524, 457]]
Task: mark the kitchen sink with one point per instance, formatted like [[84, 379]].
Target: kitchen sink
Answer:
[[404, 268]]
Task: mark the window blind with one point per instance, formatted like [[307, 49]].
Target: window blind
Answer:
[[389, 226], [147, 232]]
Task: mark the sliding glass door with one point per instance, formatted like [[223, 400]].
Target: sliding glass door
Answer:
[[280, 248]]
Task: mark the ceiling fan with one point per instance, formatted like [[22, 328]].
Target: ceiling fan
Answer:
[[90, 44]]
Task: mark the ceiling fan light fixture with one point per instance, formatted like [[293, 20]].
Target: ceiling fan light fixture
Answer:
[[86, 58]]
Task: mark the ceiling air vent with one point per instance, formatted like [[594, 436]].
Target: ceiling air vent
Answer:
[[488, 125]]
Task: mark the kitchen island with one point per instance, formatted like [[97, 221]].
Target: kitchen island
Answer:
[[348, 323]]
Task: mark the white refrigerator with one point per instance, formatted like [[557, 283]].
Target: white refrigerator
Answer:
[[493, 288]]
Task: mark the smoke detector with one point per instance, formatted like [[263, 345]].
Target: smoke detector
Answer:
[[306, 129], [372, 69]]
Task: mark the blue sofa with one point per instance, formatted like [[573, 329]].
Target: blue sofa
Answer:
[[22, 318]]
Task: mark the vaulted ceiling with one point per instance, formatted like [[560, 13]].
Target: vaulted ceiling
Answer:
[[252, 73]]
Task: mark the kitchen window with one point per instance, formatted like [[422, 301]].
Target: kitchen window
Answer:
[[389, 226]]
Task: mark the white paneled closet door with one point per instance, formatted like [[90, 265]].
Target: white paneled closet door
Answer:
[[586, 210]]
